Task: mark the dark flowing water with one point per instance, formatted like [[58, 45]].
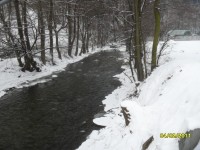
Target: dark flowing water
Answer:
[[57, 115]]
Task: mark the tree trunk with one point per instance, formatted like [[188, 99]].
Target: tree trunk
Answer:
[[30, 64], [69, 18], [24, 10], [57, 45], [50, 27], [57, 34], [114, 30], [137, 40], [83, 49], [19, 24], [77, 35], [87, 41], [27, 65], [156, 34], [42, 31], [83, 37]]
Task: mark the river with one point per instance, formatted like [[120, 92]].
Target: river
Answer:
[[58, 114]]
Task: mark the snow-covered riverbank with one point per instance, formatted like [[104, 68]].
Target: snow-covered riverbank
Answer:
[[169, 102], [11, 75]]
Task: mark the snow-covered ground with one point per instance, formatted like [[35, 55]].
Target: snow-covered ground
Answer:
[[168, 102], [11, 75]]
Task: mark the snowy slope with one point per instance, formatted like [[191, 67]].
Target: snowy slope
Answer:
[[169, 102]]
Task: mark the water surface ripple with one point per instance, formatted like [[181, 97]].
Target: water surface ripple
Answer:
[[57, 115]]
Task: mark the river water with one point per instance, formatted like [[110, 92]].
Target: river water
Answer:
[[57, 115]]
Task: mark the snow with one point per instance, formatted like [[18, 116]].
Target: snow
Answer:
[[11, 75], [168, 102], [54, 76], [198, 146], [103, 121], [113, 100]]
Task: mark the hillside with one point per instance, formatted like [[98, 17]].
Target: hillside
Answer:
[[168, 102]]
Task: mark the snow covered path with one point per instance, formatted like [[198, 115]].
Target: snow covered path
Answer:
[[169, 102]]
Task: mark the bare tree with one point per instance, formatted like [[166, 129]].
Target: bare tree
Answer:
[[50, 28], [156, 34], [41, 27], [29, 63]]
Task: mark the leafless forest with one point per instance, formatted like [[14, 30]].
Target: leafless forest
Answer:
[[67, 28]]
